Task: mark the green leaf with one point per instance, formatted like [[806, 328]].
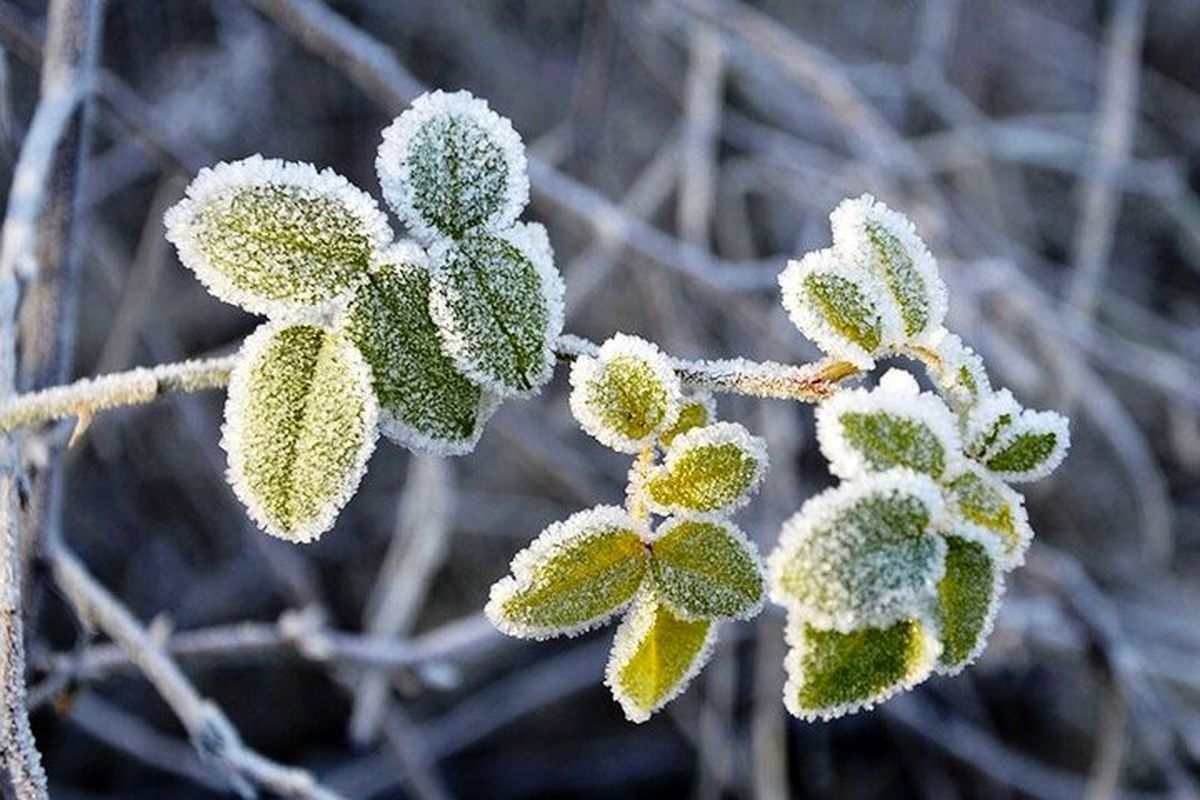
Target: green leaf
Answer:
[[868, 234], [695, 411], [707, 569], [426, 404], [654, 656], [300, 424], [573, 576], [1031, 448], [714, 468], [450, 166], [497, 300], [625, 395], [959, 373], [831, 673], [275, 237], [968, 596], [862, 553], [833, 305], [989, 504]]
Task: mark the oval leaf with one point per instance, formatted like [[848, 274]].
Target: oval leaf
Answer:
[[626, 395], [968, 597], [835, 306], [426, 404], [655, 654], [868, 234], [714, 468], [497, 301], [890, 426], [695, 411], [1031, 447], [831, 673], [572, 577], [707, 569], [959, 373], [862, 553], [275, 237], [450, 165], [300, 424], [987, 504]]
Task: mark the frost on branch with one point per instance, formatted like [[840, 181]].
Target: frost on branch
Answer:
[[891, 426], [869, 235], [574, 576], [498, 302], [706, 568], [626, 395], [714, 468], [834, 305], [831, 673], [655, 655], [425, 403], [450, 166], [864, 553], [275, 237], [300, 424]]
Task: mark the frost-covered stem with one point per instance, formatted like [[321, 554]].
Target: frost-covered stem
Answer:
[[211, 733], [637, 502], [807, 383], [85, 398]]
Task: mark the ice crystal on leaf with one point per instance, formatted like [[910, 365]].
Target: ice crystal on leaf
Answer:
[[450, 166], [626, 395], [695, 411], [1015, 443], [706, 568], [497, 301], [834, 305], [276, 237], [981, 500], [968, 598], [714, 468], [300, 424]]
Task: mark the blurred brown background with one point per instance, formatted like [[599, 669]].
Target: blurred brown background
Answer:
[[681, 152]]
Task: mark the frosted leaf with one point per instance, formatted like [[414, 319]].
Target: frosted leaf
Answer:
[[832, 673], [626, 395], [275, 237], [426, 404], [987, 421], [984, 502], [868, 234], [696, 410], [863, 553], [574, 576], [714, 468], [497, 300], [968, 599], [1031, 447], [655, 654], [450, 166], [960, 375], [892, 425], [835, 305], [706, 568], [300, 424]]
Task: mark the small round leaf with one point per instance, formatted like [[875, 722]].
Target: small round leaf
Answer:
[[835, 305], [714, 468]]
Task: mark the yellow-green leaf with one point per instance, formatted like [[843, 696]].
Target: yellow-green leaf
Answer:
[[831, 674], [706, 568], [426, 404], [968, 596], [654, 655], [572, 577], [275, 237], [695, 411], [300, 424], [989, 504], [714, 468], [834, 305]]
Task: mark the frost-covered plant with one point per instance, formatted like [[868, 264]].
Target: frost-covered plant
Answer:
[[890, 576], [897, 572], [676, 580], [418, 341]]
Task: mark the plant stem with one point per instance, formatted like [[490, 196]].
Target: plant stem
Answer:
[[85, 398]]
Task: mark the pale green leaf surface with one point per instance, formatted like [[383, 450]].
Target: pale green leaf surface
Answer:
[[706, 568], [275, 237], [497, 301], [714, 468], [831, 673], [426, 404], [654, 655], [575, 575], [300, 424], [834, 305]]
